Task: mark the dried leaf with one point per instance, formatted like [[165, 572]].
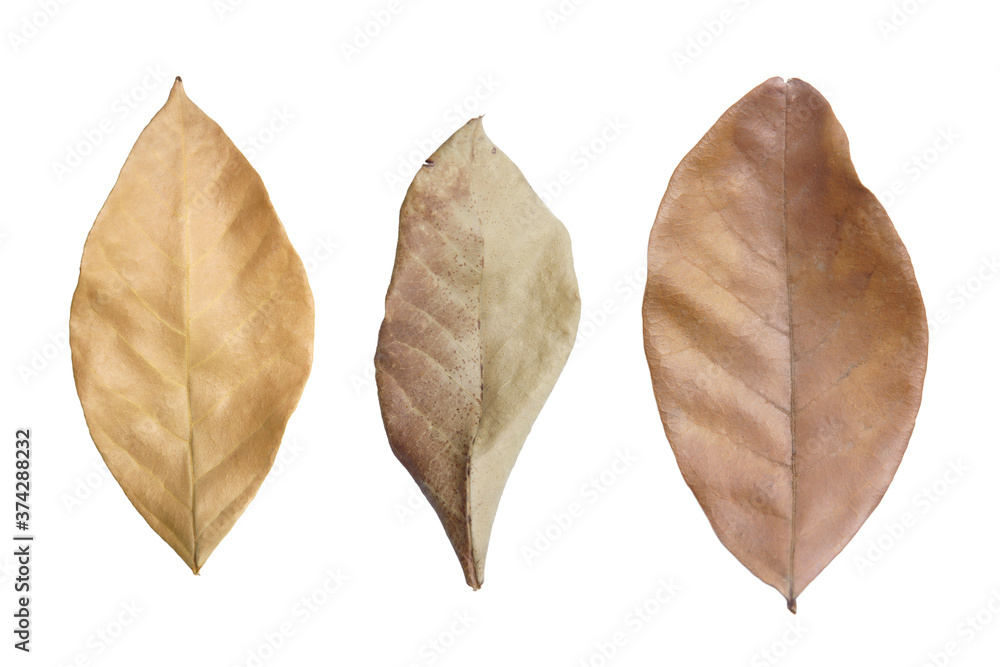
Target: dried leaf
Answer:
[[481, 314], [785, 334], [191, 330]]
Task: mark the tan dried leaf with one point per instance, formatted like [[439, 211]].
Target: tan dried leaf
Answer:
[[785, 334], [191, 330], [481, 314]]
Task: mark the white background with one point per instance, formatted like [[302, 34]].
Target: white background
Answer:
[[334, 501]]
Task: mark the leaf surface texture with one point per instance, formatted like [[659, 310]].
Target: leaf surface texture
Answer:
[[191, 330], [481, 314], [785, 334]]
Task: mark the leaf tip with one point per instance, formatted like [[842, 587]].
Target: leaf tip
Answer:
[[473, 577], [476, 123], [792, 605], [178, 87]]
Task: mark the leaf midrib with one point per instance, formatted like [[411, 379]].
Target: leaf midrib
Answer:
[[791, 351], [482, 370], [187, 336]]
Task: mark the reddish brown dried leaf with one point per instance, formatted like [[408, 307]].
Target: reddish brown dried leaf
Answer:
[[785, 334]]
